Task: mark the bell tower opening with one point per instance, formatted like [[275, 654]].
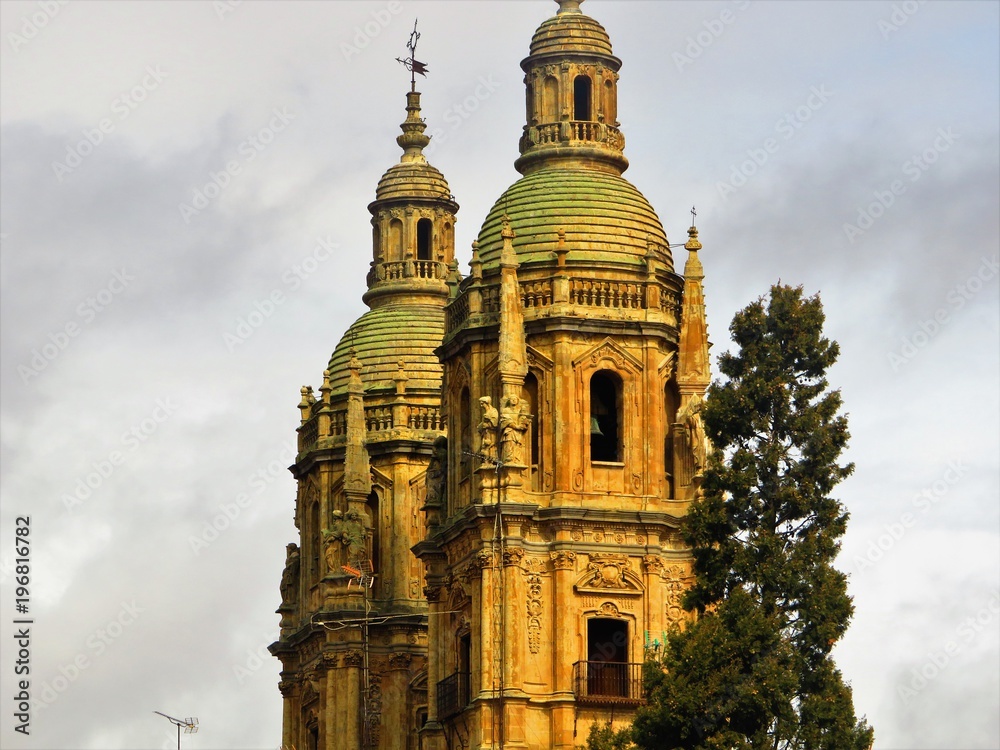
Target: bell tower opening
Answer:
[[424, 227], [604, 418], [582, 99]]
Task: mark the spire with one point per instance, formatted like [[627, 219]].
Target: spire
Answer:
[[413, 141], [693, 373], [357, 473]]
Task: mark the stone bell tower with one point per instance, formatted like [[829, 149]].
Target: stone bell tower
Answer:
[[575, 361], [353, 643]]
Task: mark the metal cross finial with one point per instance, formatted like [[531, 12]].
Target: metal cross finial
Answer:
[[694, 215], [411, 63]]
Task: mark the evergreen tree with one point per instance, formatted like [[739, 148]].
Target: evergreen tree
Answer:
[[754, 671]]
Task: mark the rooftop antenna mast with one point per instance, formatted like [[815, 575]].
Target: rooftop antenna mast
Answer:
[[411, 63], [190, 725]]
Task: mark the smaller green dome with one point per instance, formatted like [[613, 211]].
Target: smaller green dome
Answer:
[[605, 218], [384, 336]]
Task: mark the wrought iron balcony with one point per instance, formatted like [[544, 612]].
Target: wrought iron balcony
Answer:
[[453, 693], [607, 682]]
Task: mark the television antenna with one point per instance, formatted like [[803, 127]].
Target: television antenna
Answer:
[[190, 725]]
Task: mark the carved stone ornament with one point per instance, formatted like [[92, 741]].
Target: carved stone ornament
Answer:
[[353, 659], [609, 573], [534, 612], [513, 556], [563, 559], [400, 661], [608, 609], [288, 688], [432, 593]]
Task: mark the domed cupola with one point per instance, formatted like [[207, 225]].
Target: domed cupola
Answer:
[[413, 247], [571, 80], [413, 222], [572, 159]]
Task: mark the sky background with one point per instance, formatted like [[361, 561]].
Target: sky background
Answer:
[[850, 147]]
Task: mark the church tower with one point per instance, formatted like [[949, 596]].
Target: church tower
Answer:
[[492, 476], [575, 362], [353, 642]]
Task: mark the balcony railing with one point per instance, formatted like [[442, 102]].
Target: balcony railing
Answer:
[[453, 694], [607, 682]]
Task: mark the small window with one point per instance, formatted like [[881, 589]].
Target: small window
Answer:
[[604, 418], [581, 98], [424, 227]]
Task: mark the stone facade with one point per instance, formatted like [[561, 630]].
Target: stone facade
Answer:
[[504, 457]]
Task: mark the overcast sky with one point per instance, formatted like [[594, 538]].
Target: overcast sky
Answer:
[[848, 147]]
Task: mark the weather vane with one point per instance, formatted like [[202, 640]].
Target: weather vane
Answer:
[[411, 63]]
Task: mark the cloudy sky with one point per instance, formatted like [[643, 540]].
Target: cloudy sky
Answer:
[[184, 239]]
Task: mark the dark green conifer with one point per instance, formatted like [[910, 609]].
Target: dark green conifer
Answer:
[[754, 671]]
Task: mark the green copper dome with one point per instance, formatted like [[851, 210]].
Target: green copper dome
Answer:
[[384, 336], [605, 218]]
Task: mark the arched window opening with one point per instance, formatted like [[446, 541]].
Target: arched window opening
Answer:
[[550, 100], [529, 395], [424, 228], [377, 242], [671, 401], [395, 246], [316, 537], [465, 430], [581, 98], [529, 103], [604, 417], [372, 506], [610, 105]]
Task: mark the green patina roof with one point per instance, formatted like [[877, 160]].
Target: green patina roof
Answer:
[[383, 336], [604, 216]]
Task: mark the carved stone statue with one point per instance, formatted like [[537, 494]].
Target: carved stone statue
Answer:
[[437, 473], [694, 428], [513, 424], [348, 531], [488, 428], [290, 575]]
